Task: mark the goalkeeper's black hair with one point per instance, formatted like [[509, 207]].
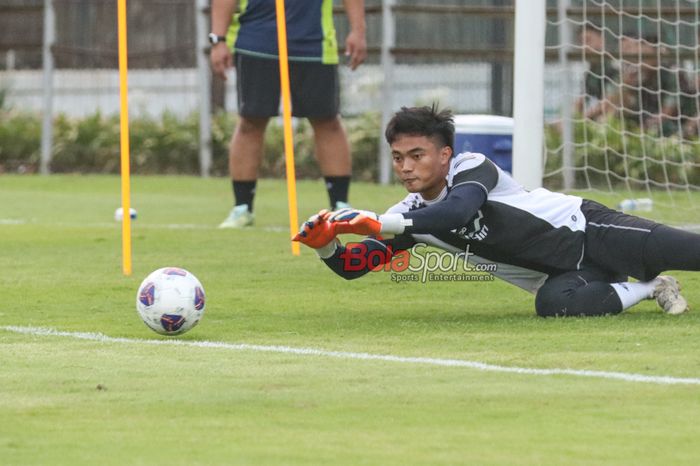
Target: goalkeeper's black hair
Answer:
[[423, 121]]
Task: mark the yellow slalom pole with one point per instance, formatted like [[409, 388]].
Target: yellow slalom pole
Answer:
[[124, 128], [287, 117]]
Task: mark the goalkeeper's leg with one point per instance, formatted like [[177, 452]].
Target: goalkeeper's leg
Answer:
[[637, 247], [669, 248], [580, 293], [587, 293]]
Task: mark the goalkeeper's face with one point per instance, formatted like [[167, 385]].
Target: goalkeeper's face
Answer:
[[421, 164]]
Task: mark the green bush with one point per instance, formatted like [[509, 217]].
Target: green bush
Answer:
[[169, 145], [20, 141], [87, 145], [365, 142], [3, 99]]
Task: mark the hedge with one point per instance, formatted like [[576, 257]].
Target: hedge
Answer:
[[169, 145]]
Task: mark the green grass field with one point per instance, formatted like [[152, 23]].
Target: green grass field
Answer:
[[71, 401]]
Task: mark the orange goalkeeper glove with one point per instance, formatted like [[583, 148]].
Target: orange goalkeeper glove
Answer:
[[359, 222], [316, 232]]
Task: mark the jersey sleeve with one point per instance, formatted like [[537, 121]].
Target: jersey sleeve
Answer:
[[461, 204], [472, 168]]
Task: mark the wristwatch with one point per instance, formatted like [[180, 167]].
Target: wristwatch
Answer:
[[214, 39]]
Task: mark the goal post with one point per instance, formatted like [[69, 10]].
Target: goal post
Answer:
[[620, 107], [528, 91]]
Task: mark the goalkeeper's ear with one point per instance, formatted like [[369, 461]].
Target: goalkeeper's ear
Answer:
[[446, 154]]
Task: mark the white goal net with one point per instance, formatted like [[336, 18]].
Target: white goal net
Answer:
[[621, 104]]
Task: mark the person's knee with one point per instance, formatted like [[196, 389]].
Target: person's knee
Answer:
[[251, 126], [551, 304], [558, 298], [571, 301], [327, 125]]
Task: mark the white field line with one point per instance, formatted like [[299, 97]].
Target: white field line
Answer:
[[624, 376]]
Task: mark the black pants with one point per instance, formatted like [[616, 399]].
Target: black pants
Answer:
[[315, 88], [578, 293], [623, 244], [617, 246]]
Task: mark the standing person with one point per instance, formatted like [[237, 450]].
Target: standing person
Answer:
[[574, 254], [601, 77], [649, 85], [251, 35]]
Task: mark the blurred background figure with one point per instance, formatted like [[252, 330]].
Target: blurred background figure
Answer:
[[248, 41], [649, 85], [600, 78]]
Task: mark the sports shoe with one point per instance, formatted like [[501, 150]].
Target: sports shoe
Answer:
[[341, 205], [668, 295], [239, 217]]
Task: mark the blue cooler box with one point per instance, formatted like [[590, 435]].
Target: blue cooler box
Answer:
[[487, 134]]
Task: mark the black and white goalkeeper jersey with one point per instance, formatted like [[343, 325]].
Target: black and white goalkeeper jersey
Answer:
[[537, 230], [528, 235]]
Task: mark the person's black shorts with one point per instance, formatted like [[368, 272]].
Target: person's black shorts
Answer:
[[617, 242], [314, 87]]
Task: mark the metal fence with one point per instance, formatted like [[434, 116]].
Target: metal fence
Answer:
[[457, 52]]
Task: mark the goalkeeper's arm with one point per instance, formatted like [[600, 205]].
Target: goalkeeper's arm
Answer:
[[460, 205], [357, 259]]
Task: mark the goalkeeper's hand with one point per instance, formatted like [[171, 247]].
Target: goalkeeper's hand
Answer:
[[359, 222], [316, 232]]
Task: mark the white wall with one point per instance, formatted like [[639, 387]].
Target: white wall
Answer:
[[463, 87], [81, 92]]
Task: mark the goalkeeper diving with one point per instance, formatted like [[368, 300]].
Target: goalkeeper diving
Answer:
[[575, 255]]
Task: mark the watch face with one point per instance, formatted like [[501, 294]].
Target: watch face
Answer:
[[214, 39]]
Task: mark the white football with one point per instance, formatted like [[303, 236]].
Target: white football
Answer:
[[119, 214], [170, 301]]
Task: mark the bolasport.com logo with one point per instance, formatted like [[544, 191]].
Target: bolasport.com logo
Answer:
[[419, 264]]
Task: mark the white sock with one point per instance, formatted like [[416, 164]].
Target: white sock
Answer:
[[631, 293]]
